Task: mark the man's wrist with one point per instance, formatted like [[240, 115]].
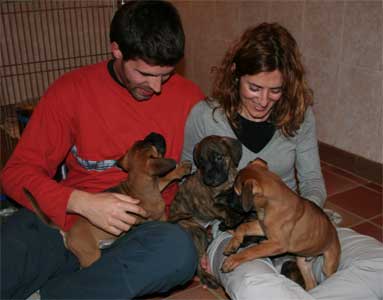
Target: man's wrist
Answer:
[[76, 202]]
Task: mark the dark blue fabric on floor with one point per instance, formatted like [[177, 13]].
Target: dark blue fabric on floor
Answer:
[[152, 257]]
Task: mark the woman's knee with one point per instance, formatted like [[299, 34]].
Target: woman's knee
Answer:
[[358, 249], [262, 283], [360, 268]]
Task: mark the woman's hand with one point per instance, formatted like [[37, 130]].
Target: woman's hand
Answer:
[[113, 212], [204, 263]]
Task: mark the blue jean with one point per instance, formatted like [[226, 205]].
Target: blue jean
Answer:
[[151, 258]]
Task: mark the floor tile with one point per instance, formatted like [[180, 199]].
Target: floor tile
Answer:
[[346, 174], [348, 219], [195, 293], [153, 298], [378, 220], [371, 230], [220, 294], [361, 201], [192, 284], [336, 183]]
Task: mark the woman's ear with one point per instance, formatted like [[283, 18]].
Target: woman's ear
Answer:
[[233, 67], [116, 52]]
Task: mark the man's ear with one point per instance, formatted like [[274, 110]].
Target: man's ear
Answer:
[[117, 54]]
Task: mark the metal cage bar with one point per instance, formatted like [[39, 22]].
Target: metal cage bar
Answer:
[[41, 40]]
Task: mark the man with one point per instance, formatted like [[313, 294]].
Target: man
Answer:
[[89, 118]]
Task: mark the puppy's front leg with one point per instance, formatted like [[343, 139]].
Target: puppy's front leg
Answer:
[[264, 249], [182, 169], [250, 228]]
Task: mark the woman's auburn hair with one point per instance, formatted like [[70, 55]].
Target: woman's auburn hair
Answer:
[[265, 48]]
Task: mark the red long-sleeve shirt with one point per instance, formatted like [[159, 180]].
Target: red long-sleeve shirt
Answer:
[[90, 110]]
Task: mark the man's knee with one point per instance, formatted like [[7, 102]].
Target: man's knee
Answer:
[[167, 247], [178, 250], [170, 258]]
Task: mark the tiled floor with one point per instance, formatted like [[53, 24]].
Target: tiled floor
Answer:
[[357, 200]]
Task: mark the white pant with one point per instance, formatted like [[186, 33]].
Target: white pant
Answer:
[[359, 276]]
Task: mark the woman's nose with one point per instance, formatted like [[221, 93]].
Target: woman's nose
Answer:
[[264, 97]]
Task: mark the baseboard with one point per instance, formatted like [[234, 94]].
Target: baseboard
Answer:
[[353, 163]]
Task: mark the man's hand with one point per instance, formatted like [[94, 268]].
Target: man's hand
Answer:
[[113, 212]]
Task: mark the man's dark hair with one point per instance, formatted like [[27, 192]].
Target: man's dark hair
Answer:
[[149, 30]]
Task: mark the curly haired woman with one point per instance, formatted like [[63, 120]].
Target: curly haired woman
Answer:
[[261, 97]]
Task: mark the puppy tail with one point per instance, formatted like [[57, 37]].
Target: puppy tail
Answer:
[[36, 207]]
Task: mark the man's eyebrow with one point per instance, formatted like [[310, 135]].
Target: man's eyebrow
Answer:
[[154, 75]]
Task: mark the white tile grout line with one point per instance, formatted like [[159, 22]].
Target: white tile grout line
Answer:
[[369, 220], [343, 191], [194, 288], [211, 291]]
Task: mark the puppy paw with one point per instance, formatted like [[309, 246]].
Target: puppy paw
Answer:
[[230, 264], [232, 247], [185, 167]]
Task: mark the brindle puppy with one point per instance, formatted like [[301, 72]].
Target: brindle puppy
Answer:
[[149, 173], [205, 195]]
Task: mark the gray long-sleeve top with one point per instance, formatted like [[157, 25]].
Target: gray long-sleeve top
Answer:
[[283, 154]]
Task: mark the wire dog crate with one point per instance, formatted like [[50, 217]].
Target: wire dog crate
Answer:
[[41, 40]]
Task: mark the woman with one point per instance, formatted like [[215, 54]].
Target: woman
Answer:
[[261, 97]]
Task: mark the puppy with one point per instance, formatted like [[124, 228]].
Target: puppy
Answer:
[[202, 197], [290, 223], [145, 164]]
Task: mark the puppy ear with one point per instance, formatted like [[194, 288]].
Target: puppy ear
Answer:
[[247, 197], [250, 190], [235, 147], [158, 141], [161, 166], [197, 155], [123, 162], [260, 162]]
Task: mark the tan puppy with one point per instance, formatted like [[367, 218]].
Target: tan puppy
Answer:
[[145, 164], [291, 224]]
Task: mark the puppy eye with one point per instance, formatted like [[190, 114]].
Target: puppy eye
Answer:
[[219, 157]]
